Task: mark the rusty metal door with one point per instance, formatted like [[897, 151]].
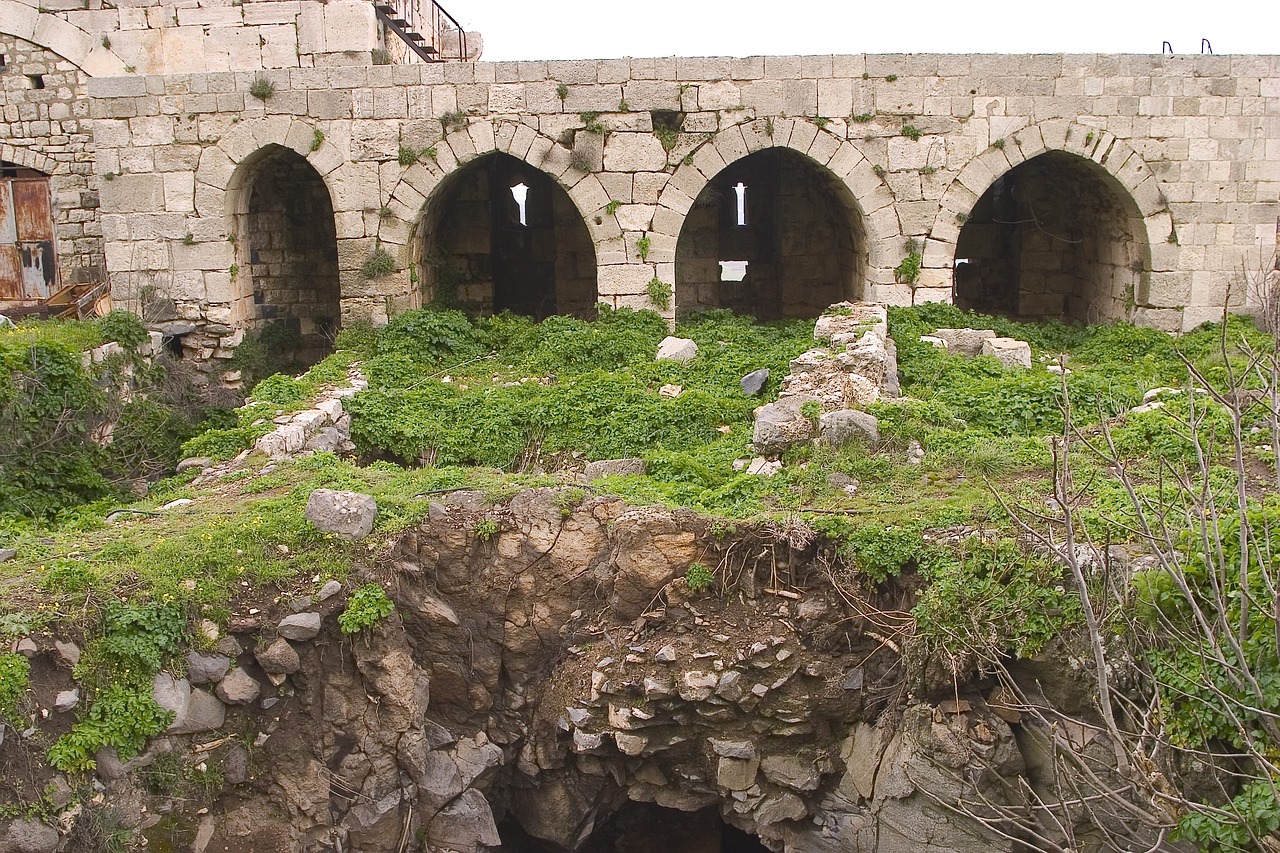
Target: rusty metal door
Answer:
[[27, 266]]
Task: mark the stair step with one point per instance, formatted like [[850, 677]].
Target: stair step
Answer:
[[415, 36]]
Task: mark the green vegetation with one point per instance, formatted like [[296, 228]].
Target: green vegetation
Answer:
[[669, 137], [262, 88], [659, 293], [379, 263], [698, 577], [910, 131], [591, 122], [908, 272], [642, 248], [406, 156], [15, 672], [368, 606]]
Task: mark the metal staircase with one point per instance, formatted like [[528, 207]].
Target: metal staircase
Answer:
[[430, 33]]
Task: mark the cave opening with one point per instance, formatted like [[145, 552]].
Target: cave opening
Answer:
[[645, 828], [502, 235], [1054, 237], [773, 235]]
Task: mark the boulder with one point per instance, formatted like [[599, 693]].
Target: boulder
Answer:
[[346, 514], [329, 590], [194, 462], [27, 836], [68, 653], [780, 425], [653, 547], [279, 658], [963, 341], [676, 349], [1010, 352], [206, 669], [238, 688], [299, 626], [172, 694], [7, 554], [614, 468], [839, 428], [204, 713], [753, 383], [465, 825], [67, 700]]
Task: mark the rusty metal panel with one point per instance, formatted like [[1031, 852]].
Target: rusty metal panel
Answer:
[[8, 223], [32, 209], [37, 269], [10, 273]]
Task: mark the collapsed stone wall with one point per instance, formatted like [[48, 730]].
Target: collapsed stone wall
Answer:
[[538, 677]]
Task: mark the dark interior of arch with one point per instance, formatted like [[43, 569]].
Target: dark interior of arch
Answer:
[[791, 221], [1055, 236], [289, 240], [645, 828], [485, 252]]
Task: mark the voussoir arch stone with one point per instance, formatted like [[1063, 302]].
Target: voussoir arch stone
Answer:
[[841, 158], [1126, 171], [227, 166], [72, 43], [421, 181], [28, 159]]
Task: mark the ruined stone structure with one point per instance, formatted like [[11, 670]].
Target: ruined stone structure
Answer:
[[1088, 187]]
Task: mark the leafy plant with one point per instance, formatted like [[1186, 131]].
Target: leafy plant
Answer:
[[891, 78], [454, 120], [121, 717], [908, 272], [862, 118], [406, 156], [910, 131], [659, 293], [612, 207], [367, 606], [998, 144], [591, 122], [485, 529], [562, 92], [698, 577], [642, 247], [668, 137], [15, 674]]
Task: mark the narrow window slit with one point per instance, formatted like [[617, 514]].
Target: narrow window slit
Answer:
[[520, 192]]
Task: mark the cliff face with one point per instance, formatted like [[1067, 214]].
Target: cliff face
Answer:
[[550, 681]]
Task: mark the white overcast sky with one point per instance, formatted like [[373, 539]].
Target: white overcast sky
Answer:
[[594, 29]]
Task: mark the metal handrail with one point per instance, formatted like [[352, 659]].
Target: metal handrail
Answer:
[[421, 29]]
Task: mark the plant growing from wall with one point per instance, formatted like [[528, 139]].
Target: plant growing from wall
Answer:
[[591, 122], [668, 137], [821, 121], [562, 92], [580, 160], [317, 139], [642, 248], [612, 207], [998, 144], [891, 78], [910, 131], [380, 263], [406, 156], [486, 529], [262, 88], [455, 120], [878, 170], [908, 272], [862, 118], [698, 577], [659, 293]]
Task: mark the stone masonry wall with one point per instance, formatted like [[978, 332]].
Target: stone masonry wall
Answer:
[[47, 129], [1193, 142]]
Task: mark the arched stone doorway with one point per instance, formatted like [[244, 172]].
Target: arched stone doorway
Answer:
[[286, 271], [1055, 236], [773, 235], [501, 235]]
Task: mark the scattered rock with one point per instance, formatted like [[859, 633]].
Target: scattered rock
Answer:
[[753, 383], [733, 748], [666, 654], [68, 653], [191, 462], [238, 688], [780, 425], [934, 341], [299, 626], [206, 669], [671, 391], [204, 713], [614, 468], [1010, 352], [7, 554], [67, 700], [347, 514], [26, 647], [279, 658], [676, 349], [764, 467], [964, 341], [175, 504], [171, 693], [329, 590], [915, 453], [841, 427]]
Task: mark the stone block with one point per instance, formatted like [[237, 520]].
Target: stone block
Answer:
[[634, 152], [1008, 351]]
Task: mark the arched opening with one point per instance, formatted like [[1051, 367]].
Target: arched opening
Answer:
[[501, 235], [772, 235], [28, 265], [286, 273], [1055, 236], [645, 828]]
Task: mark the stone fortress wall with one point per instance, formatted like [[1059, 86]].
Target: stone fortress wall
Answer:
[[1087, 186]]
